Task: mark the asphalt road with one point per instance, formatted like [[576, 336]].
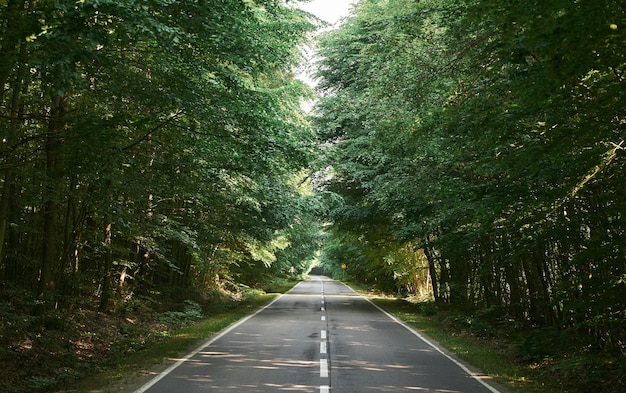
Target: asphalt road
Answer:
[[320, 337]]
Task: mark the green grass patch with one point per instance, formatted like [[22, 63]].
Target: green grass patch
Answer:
[[280, 285]]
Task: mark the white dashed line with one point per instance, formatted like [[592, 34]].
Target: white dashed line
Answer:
[[323, 348], [324, 368]]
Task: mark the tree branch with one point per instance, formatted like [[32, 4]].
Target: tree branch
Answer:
[[153, 130]]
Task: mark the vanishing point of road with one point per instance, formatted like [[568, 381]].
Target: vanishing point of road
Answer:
[[320, 337]]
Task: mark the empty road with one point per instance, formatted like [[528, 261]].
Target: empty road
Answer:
[[320, 337]]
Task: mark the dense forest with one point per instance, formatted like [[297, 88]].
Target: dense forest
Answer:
[[151, 151], [151, 145], [156, 154], [478, 148]]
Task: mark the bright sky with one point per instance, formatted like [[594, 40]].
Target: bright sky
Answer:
[[329, 10]]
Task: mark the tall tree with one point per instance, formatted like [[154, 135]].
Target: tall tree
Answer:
[[144, 138], [466, 128]]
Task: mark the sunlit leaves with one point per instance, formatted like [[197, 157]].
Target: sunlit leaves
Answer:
[[481, 130], [183, 133]]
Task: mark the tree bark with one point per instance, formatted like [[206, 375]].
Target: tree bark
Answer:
[[108, 271], [51, 206], [433, 274], [14, 119], [4, 214]]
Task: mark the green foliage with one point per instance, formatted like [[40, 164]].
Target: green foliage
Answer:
[[190, 312], [490, 135], [151, 151], [38, 383], [181, 132]]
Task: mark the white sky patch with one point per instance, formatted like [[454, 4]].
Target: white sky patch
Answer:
[[331, 11]]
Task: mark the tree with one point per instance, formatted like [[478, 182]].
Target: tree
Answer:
[[464, 129], [144, 139]]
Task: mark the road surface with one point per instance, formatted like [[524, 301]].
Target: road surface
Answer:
[[321, 337]]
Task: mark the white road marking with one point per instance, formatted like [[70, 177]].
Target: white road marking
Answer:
[[324, 368], [418, 335], [323, 349], [210, 341]]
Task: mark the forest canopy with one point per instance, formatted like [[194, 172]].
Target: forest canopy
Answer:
[[151, 146], [478, 148]]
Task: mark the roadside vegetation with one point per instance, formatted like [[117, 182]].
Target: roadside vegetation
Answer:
[[153, 171]]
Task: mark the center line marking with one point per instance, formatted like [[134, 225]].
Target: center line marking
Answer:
[[323, 334], [323, 347], [323, 368], [323, 317], [324, 389]]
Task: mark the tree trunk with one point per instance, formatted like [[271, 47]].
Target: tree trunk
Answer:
[[433, 274], [545, 297], [4, 214], [108, 271], [51, 205], [14, 121], [120, 284]]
